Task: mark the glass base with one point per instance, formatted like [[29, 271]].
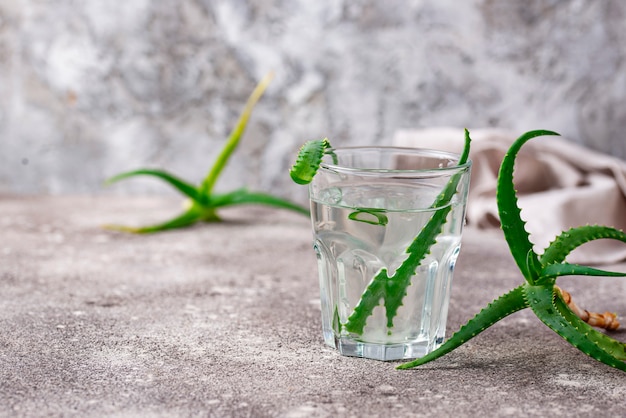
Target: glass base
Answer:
[[384, 352]]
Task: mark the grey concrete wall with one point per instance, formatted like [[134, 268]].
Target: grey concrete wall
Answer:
[[90, 88]]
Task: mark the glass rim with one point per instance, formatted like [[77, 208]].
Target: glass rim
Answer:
[[416, 151]]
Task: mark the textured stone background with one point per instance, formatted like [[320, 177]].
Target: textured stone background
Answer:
[[90, 88]]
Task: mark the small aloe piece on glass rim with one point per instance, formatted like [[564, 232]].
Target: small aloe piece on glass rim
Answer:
[[308, 160], [203, 203], [539, 291]]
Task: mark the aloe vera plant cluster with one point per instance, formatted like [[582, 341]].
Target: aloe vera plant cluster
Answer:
[[539, 291], [203, 202]]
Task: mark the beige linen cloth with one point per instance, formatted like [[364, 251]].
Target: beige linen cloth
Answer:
[[560, 185]]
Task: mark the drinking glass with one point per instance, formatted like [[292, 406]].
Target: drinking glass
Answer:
[[368, 208]]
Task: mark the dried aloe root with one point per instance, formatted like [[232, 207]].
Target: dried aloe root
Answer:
[[607, 320]]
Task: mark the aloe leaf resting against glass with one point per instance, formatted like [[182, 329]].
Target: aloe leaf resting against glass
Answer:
[[387, 223], [539, 292], [203, 203]]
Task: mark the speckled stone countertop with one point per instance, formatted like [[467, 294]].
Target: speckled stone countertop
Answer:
[[223, 320]]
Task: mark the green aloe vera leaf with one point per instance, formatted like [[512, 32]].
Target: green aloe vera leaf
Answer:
[[243, 196], [510, 214], [419, 248], [501, 307], [182, 186], [370, 298], [397, 284], [393, 289], [542, 301], [539, 290], [308, 160], [615, 348], [369, 216], [234, 137], [204, 202], [573, 238], [552, 271], [187, 218]]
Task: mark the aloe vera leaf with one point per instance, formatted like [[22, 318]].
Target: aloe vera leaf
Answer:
[[510, 214], [308, 160], [182, 186], [552, 271], [500, 308], [542, 301], [573, 238], [419, 248], [394, 288], [242, 196], [369, 216], [539, 291], [615, 348], [187, 218], [234, 137], [370, 298]]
